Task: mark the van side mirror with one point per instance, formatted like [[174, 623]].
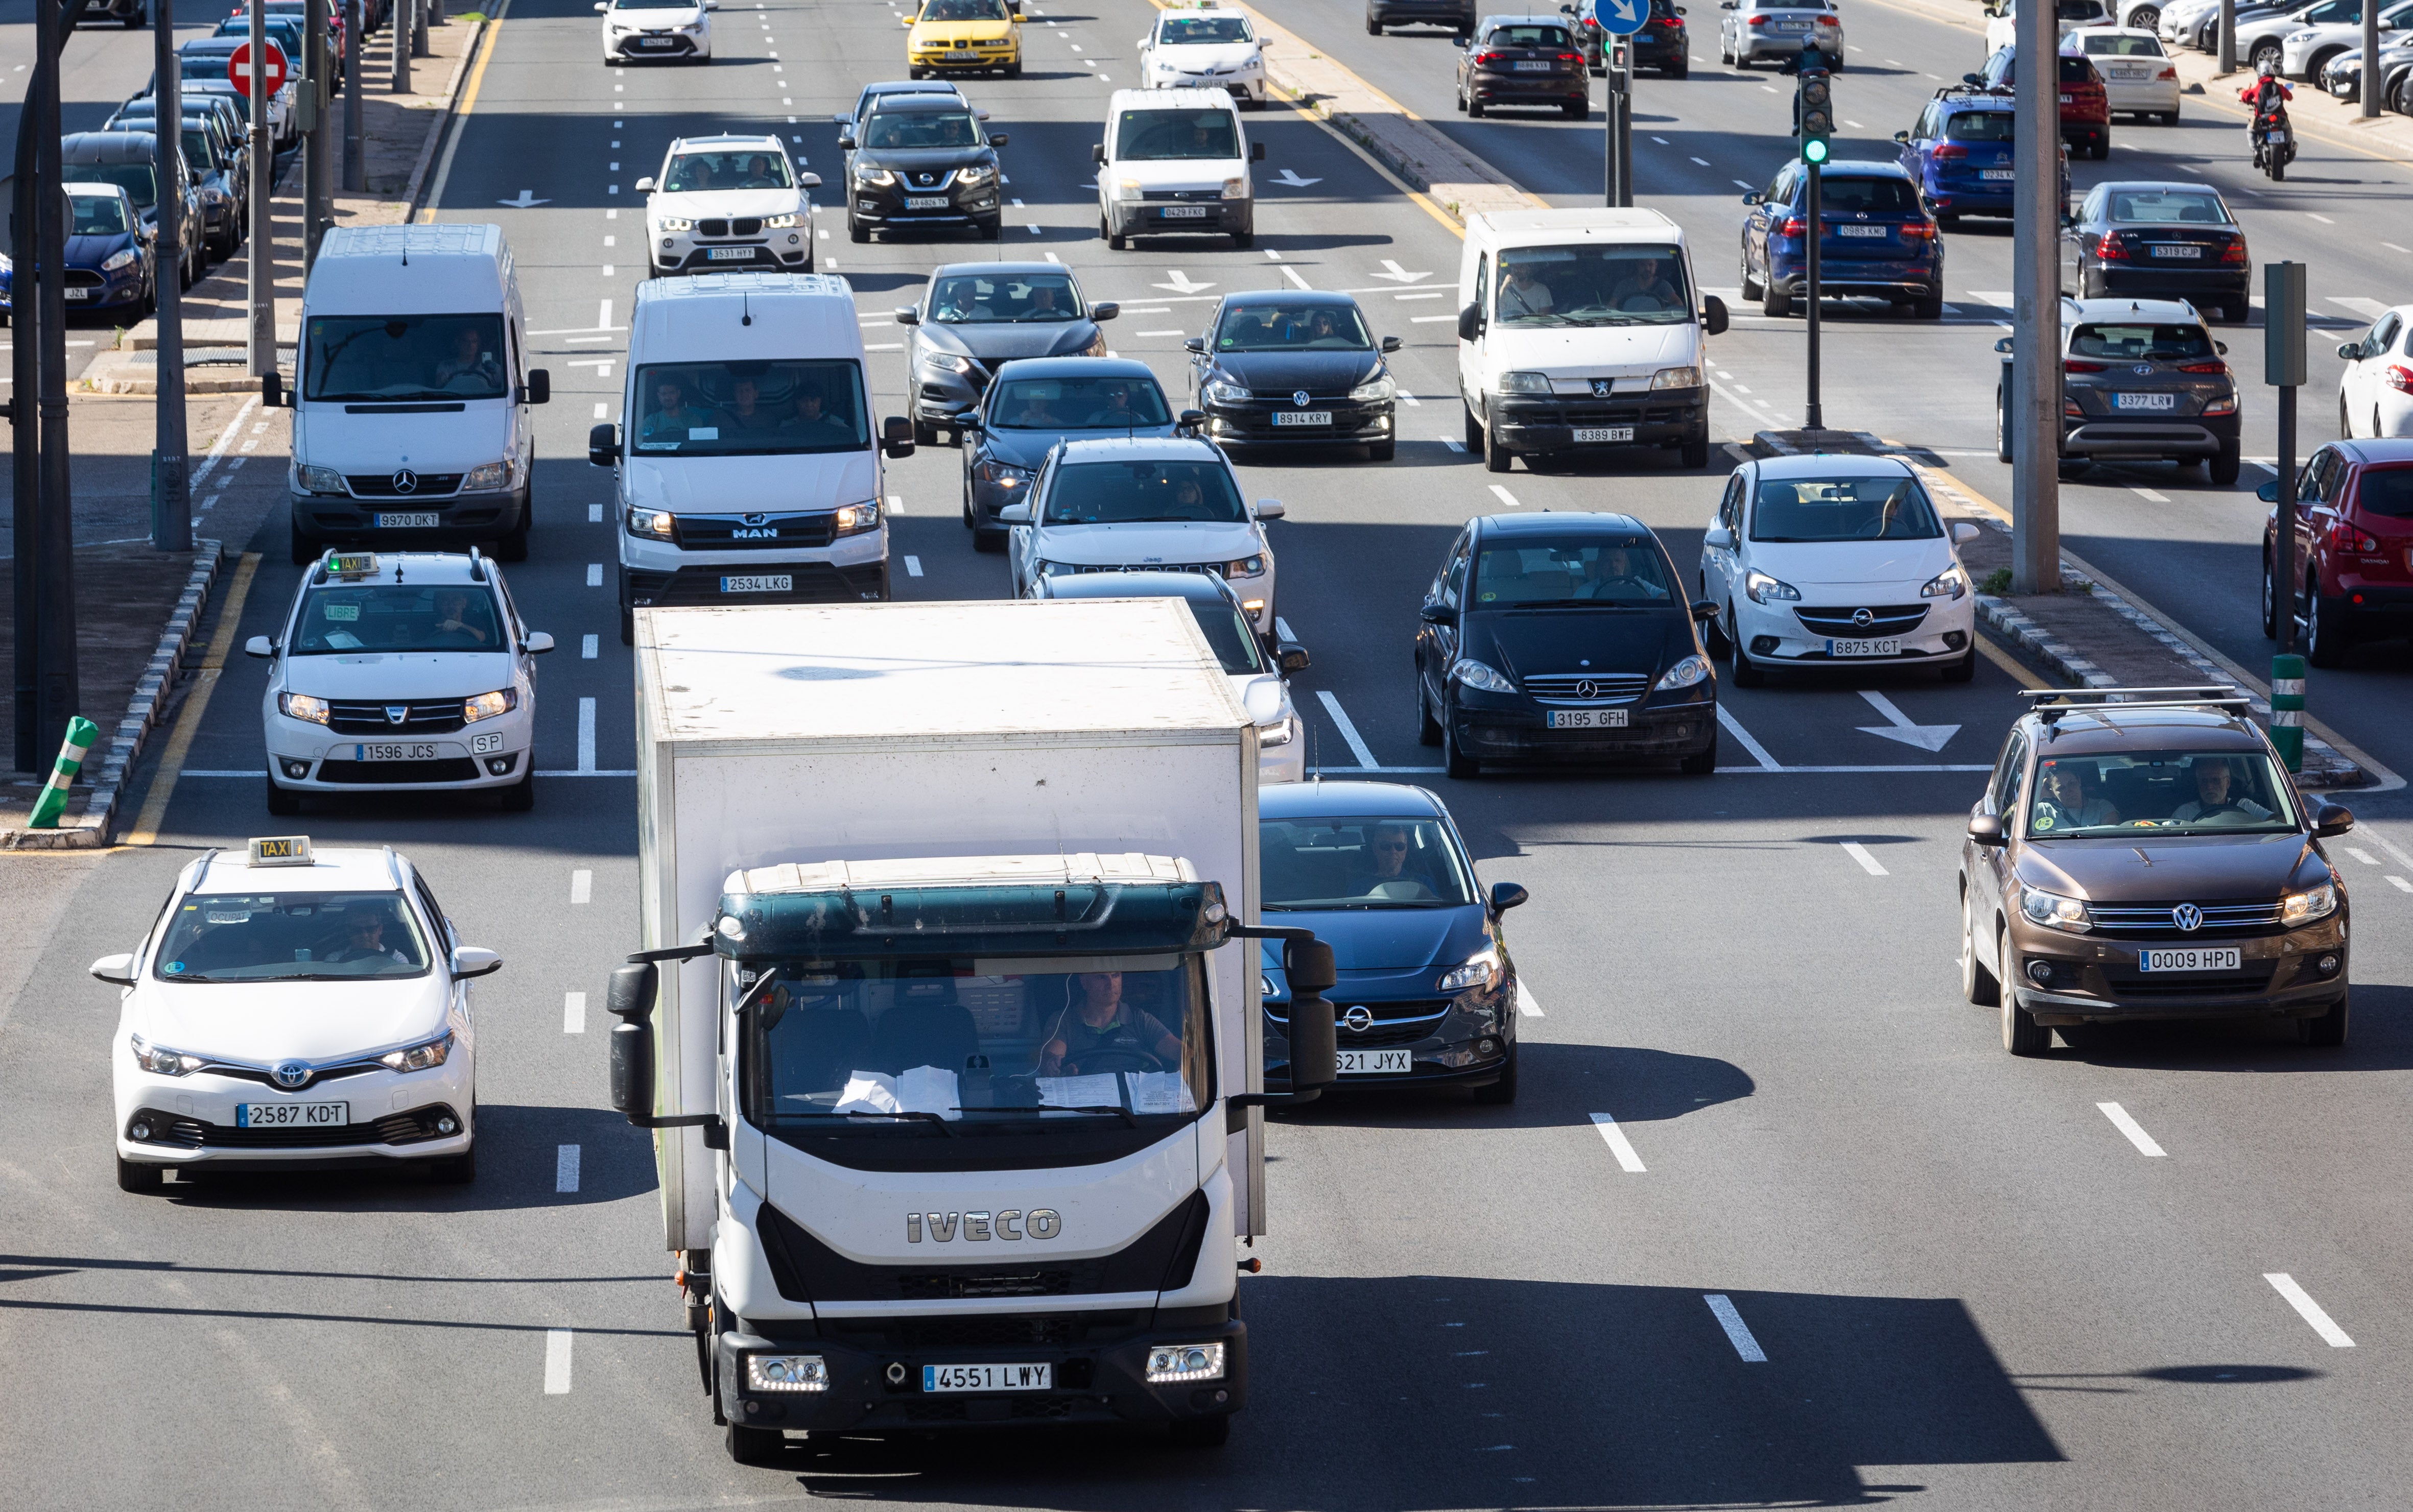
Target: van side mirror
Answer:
[[272, 392], [1390, 344], [1291, 657], [1256, 151], [603, 444], [260, 645], [897, 436], [1974, 80], [1986, 829], [1098, 153], [1470, 322], [1506, 895], [475, 961], [631, 999], [1713, 315], [2268, 493], [2332, 819], [118, 971], [540, 387]]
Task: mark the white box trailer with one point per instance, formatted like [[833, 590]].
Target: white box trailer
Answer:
[[950, 1060]]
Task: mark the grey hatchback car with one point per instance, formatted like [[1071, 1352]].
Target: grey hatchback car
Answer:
[[2142, 380]]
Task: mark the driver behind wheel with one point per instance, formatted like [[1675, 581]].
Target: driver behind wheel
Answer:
[[1098, 1025]]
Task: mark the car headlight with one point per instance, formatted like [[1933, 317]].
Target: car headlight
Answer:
[[1676, 378], [117, 260], [783, 223], [489, 705], [1270, 736], [1764, 589], [1224, 392], [2054, 911], [1247, 566], [654, 524], [1235, 188], [1054, 569], [1377, 388], [1096, 347], [1949, 583], [946, 362], [1475, 674], [1127, 189], [423, 1057], [1524, 382], [677, 223], [1481, 970], [162, 1062], [879, 178], [786, 1373], [1185, 1362], [977, 173], [854, 518], [2304, 907], [1688, 672], [1004, 474], [302, 706], [494, 475], [321, 479], [1264, 986]]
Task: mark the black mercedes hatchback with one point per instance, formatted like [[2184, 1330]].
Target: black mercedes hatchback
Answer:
[[1288, 367], [922, 160], [1563, 637]]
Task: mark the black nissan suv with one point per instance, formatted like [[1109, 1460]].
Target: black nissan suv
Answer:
[[922, 160]]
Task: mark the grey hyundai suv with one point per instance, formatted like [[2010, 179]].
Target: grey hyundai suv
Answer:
[[2143, 380]]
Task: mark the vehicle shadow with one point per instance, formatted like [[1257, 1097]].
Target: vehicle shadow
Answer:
[[2380, 1039], [1635, 1084]]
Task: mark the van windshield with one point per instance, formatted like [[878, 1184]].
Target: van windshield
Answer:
[[371, 358], [1623, 283], [1156, 136], [739, 409], [137, 179]]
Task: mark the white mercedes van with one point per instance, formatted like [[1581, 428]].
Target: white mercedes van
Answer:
[[411, 394], [1579, 330], [747, 467], [1176, 163]]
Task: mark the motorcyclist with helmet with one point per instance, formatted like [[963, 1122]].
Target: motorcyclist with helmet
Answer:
[[2268, 95]]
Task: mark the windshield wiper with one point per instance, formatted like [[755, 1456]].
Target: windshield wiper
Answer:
[[1123, 1113], [937, 1119], [1589, 603]]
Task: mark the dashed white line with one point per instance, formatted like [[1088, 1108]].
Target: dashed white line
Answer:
[[1661, 140], [2324, 219], [2310, 1311], [1176, 333], [1868, 862], [1702, 162], [2399, 883], [1619, 1145], [1734, 728], [600, 412], [2134, 1130], [595, 514], [1737, 1332], [2149, 494], [556, 1362], [594, 573], [589, 647], [912, 566], [582, 886], [1526, 1006], [1740, 185], [565, 1169], [1348, 731], [2364, 856], [1502, 493], [1292, 273], [2394, 247], [574, 1013]]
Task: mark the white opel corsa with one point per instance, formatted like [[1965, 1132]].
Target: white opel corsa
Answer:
[[292, 1008], [1821, 560]]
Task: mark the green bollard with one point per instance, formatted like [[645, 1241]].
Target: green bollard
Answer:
[[80, 734], [2287, 709]]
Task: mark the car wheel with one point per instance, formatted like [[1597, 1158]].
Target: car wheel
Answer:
[[2021, 1033], [1474, 429], [1428, 727], [1115, 239], [1713, 635], [856, 230], [1702, 762], [2228, 462], [2270, 52], [988, 540], [1927, 306], [280, 802], [1502, 1092], [2328, 1032], [2346, 421], [2326, 636], [1747, 673], [1679, 70], [2270, 607], [2145, 19], [1694, 454], [2002, 430], [1774, 298], [1374, 27], [455, 1170], [1977, 984], [1725, 53], [1578, 110], [1383, 450], [1473, 108], [1244, 240], [1454, 760], [1750, 286], [520, 797], [133, 1177]]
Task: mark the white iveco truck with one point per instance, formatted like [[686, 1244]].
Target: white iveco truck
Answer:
[[945, 1017]]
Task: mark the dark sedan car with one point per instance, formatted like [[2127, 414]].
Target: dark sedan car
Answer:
[[2160, 241], [974, 316], [921, 161], [1286, 367], [1875, 239], [1427, 993], [216, 165], [129, 160], [1663, 43], [1032, 406], [109, 259], [1563, 638], [1523, 59]]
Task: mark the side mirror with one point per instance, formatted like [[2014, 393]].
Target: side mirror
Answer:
[[1256, 151], [475, 961], [1703, 611], [2268, 493], [2220, 347], [603, 444], [272, 391], [1270, 510], [1291, 657], [118, 971], [897, 436], [601, 7], [1974, 80], [260, 645], [1751, 199], [1461, 39], [2329, 819], [1986, 829], [1314, 1055], [1015, 514], [846, 137], [1190, 419], [1713, 315], [1104, 310], [967, 421], [536, 643], [1717, 539], [1903, 137], [540, 387], [1470, 322], [1964, 531], [1506, 895], [809, 180], [1390, 344], [2351, 350], [908, 316], [645, 184], [1098, 153], [1196, 345], [1433, 612], [997, 138], [631, 998], [2004, 346], [839, 118]]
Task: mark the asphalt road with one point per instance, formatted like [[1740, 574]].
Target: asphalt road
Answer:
[[1865, 1257]]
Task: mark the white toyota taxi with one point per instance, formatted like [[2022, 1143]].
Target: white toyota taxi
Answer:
[[292, 1008], [405, 670]]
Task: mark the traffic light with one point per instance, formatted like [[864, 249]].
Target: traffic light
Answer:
[[1814, 104]]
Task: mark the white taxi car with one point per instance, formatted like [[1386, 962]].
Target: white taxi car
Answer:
[[729, 204], [1205, 49], [292, 1008], [406, 671]]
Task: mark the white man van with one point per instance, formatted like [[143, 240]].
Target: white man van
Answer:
[[1579, 330]]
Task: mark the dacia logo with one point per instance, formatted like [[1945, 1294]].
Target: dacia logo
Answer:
[[762, 533], [979, 1227]]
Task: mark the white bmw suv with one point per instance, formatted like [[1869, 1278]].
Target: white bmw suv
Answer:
[[729, 204]]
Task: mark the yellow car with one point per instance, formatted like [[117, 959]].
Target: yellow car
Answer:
[[962, 35]]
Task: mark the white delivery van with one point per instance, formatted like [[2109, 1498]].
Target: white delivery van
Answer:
[[1176, 163], [411, 430], [1579, 330], [748, 470]]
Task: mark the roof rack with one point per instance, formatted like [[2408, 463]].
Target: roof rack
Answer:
[[2051, 703]]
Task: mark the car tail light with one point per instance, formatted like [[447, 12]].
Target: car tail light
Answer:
[[2074, 365], [1486, 60], [2168, 75], [1916, 230], [1571, 57], [2234, 252], [1793, 226], [2205, 367], [2111, 249], [1952, 152], [2342, 537], [2399, 378], [1758, 20], [1828, 21], [2069, 407]]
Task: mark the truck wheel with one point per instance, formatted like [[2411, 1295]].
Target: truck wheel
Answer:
[[757, 1446], [1196, 1433], [1695, 450], [1502, 1092], [1496, 455], [305, 546], [137, 1178], [281, 802], [2021, 1033], [513, 547], [1977, 984], [2328, 1032]]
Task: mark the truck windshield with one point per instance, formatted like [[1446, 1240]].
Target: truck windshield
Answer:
[[290, 937], [973, 1043], [741, 409], [373, 358], [1616, 284], [1360, 862]]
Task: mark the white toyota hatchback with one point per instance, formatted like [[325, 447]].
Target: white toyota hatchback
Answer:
[[292, 1008], [1822, 561], [657, 29], [406, 671], [1205, 49]]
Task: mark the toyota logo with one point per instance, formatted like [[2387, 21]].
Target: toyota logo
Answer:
[[405, 480], [2187, 916], [1358, 1019], [290, 1074], [1864, 618], [1586, 689], [1298, 397]]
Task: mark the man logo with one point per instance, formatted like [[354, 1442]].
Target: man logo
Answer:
[[405, 480]]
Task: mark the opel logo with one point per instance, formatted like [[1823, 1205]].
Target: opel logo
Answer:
[[1298, 397], [291, 1074], [1359, 1019], [1864, 618], [2187, 916], [396, 712], [405, 480], [1586, 689]]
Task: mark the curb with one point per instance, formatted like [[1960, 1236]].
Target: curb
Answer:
[[89, 830]]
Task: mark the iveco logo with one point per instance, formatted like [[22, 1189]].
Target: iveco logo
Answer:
[[1010, 1223], [1358, 1019], [405, 480], [1863, 618], [2187, 916], [1586, 689], [290, 1074], [396, 712], [1298, 397]]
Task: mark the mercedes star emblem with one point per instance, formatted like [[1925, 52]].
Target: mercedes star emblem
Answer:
[[2187, 916], [1863, 618], [290, 1074], [1586, 689], [1298, 397], [405, 480], [1359, 1019]]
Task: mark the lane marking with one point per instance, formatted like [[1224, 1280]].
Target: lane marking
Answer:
[[594, 573], [588, 648], [1281, 629], [586, 735], [486, 40], [582, 886], [2150, 495], [1526, 1006], [1868, 862], [2134, 1130], [1348, 731], [574, 1013], [2310, 1311], [2399, 883], [1292, 273], [912, 566], [565, 1176], [556, 1362], [1702, 161], [1618, 1144], [1758, 752], [2364, 856], [225, 439], [1738, 1331], [196, 703]]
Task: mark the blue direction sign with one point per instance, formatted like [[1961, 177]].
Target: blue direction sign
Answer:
[[1620, 17]]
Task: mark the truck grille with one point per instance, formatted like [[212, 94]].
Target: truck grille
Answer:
[[1394, 1023], [744, 533], [380, 486], [2158, 919], [1884, 620]]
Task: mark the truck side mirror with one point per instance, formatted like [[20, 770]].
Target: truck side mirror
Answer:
[[1713, 315], [2329, 819], [1986, 830], [897, 436], [603, 444], [540, 387], [1506, 895], [1315, 1055], [631, 998], [1291, 657], [272, 391], [1470, 322]]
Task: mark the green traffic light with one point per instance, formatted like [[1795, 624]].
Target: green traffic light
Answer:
[[1813, 150]]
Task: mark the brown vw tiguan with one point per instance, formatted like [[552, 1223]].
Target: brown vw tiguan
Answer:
[[2149, 859]]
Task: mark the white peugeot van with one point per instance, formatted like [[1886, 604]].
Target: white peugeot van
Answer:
[[1579, 330], [1176, 163], [411, 394], [747, 467]]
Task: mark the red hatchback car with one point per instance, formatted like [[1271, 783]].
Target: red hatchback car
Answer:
[[2085, 104], [2354, 547]]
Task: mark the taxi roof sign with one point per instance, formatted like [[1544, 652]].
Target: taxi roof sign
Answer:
[[352, 564], [281, 850]]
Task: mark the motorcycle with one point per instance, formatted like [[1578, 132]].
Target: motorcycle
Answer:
[[2274, 140]]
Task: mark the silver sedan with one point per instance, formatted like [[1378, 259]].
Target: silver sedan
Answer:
[[1748, 33]]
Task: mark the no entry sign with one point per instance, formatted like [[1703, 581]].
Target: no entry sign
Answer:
[[239, 67]]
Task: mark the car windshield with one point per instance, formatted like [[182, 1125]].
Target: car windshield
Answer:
[[341, 618], [905, 130], [1620, 285], [1979, 126], [2385, 491], [2136, 343], [1360, 863], [2168, 207], [1847, 195], [1136, 492], [1527, 36], [1228, 636], [1108, 404], [1039, 1042], [2123, 45], [1142, 136], [1289, 327], [705, 409], [964, 10], [1880, 508], [212, 63], [2190, 792], [1181, 29], [965, 299], [755, 168], [2074, 70], [1616, 569], [137, 179], [291, 937], [654, 5], [90, 215], [371, 358]]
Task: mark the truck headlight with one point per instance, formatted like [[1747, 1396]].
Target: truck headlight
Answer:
[[1688, 672], [421, 1057], [677, 223], [1676, 378], [1524, 382], [1481, 970], [854, 518], [786, 1373], [162, 1062], [783, 223], [489, 705], [494, 475], [2304, 907], [654, 524], [321, 479], [118, 259], [1764, 589], [302, 706], [1235, 188], [2055, 911], [1949, 583], [1376, 388], [1476, 674], [1127, 189], [1167, 1363], [1247, 566]]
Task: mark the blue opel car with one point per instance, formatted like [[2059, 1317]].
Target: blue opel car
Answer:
[[108, 255], [1876, 240], [1959, 154], [1427, 994]]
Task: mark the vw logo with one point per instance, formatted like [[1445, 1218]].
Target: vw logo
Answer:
[[1586, 689], [1864, 618], [1298, 397], [290, 1074], [1359, 1019], [754, 519], [2143, 367], [2187, 916], [405, 480]]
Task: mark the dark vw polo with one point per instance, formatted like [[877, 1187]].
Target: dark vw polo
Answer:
[[922, 160], [1286, 368], [1562, 637], [1426, 994]]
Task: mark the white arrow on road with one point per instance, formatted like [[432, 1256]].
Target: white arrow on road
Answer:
[[1290, 179], [1899, 728], [1398, 274], [1181, 283], [527, 200]]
